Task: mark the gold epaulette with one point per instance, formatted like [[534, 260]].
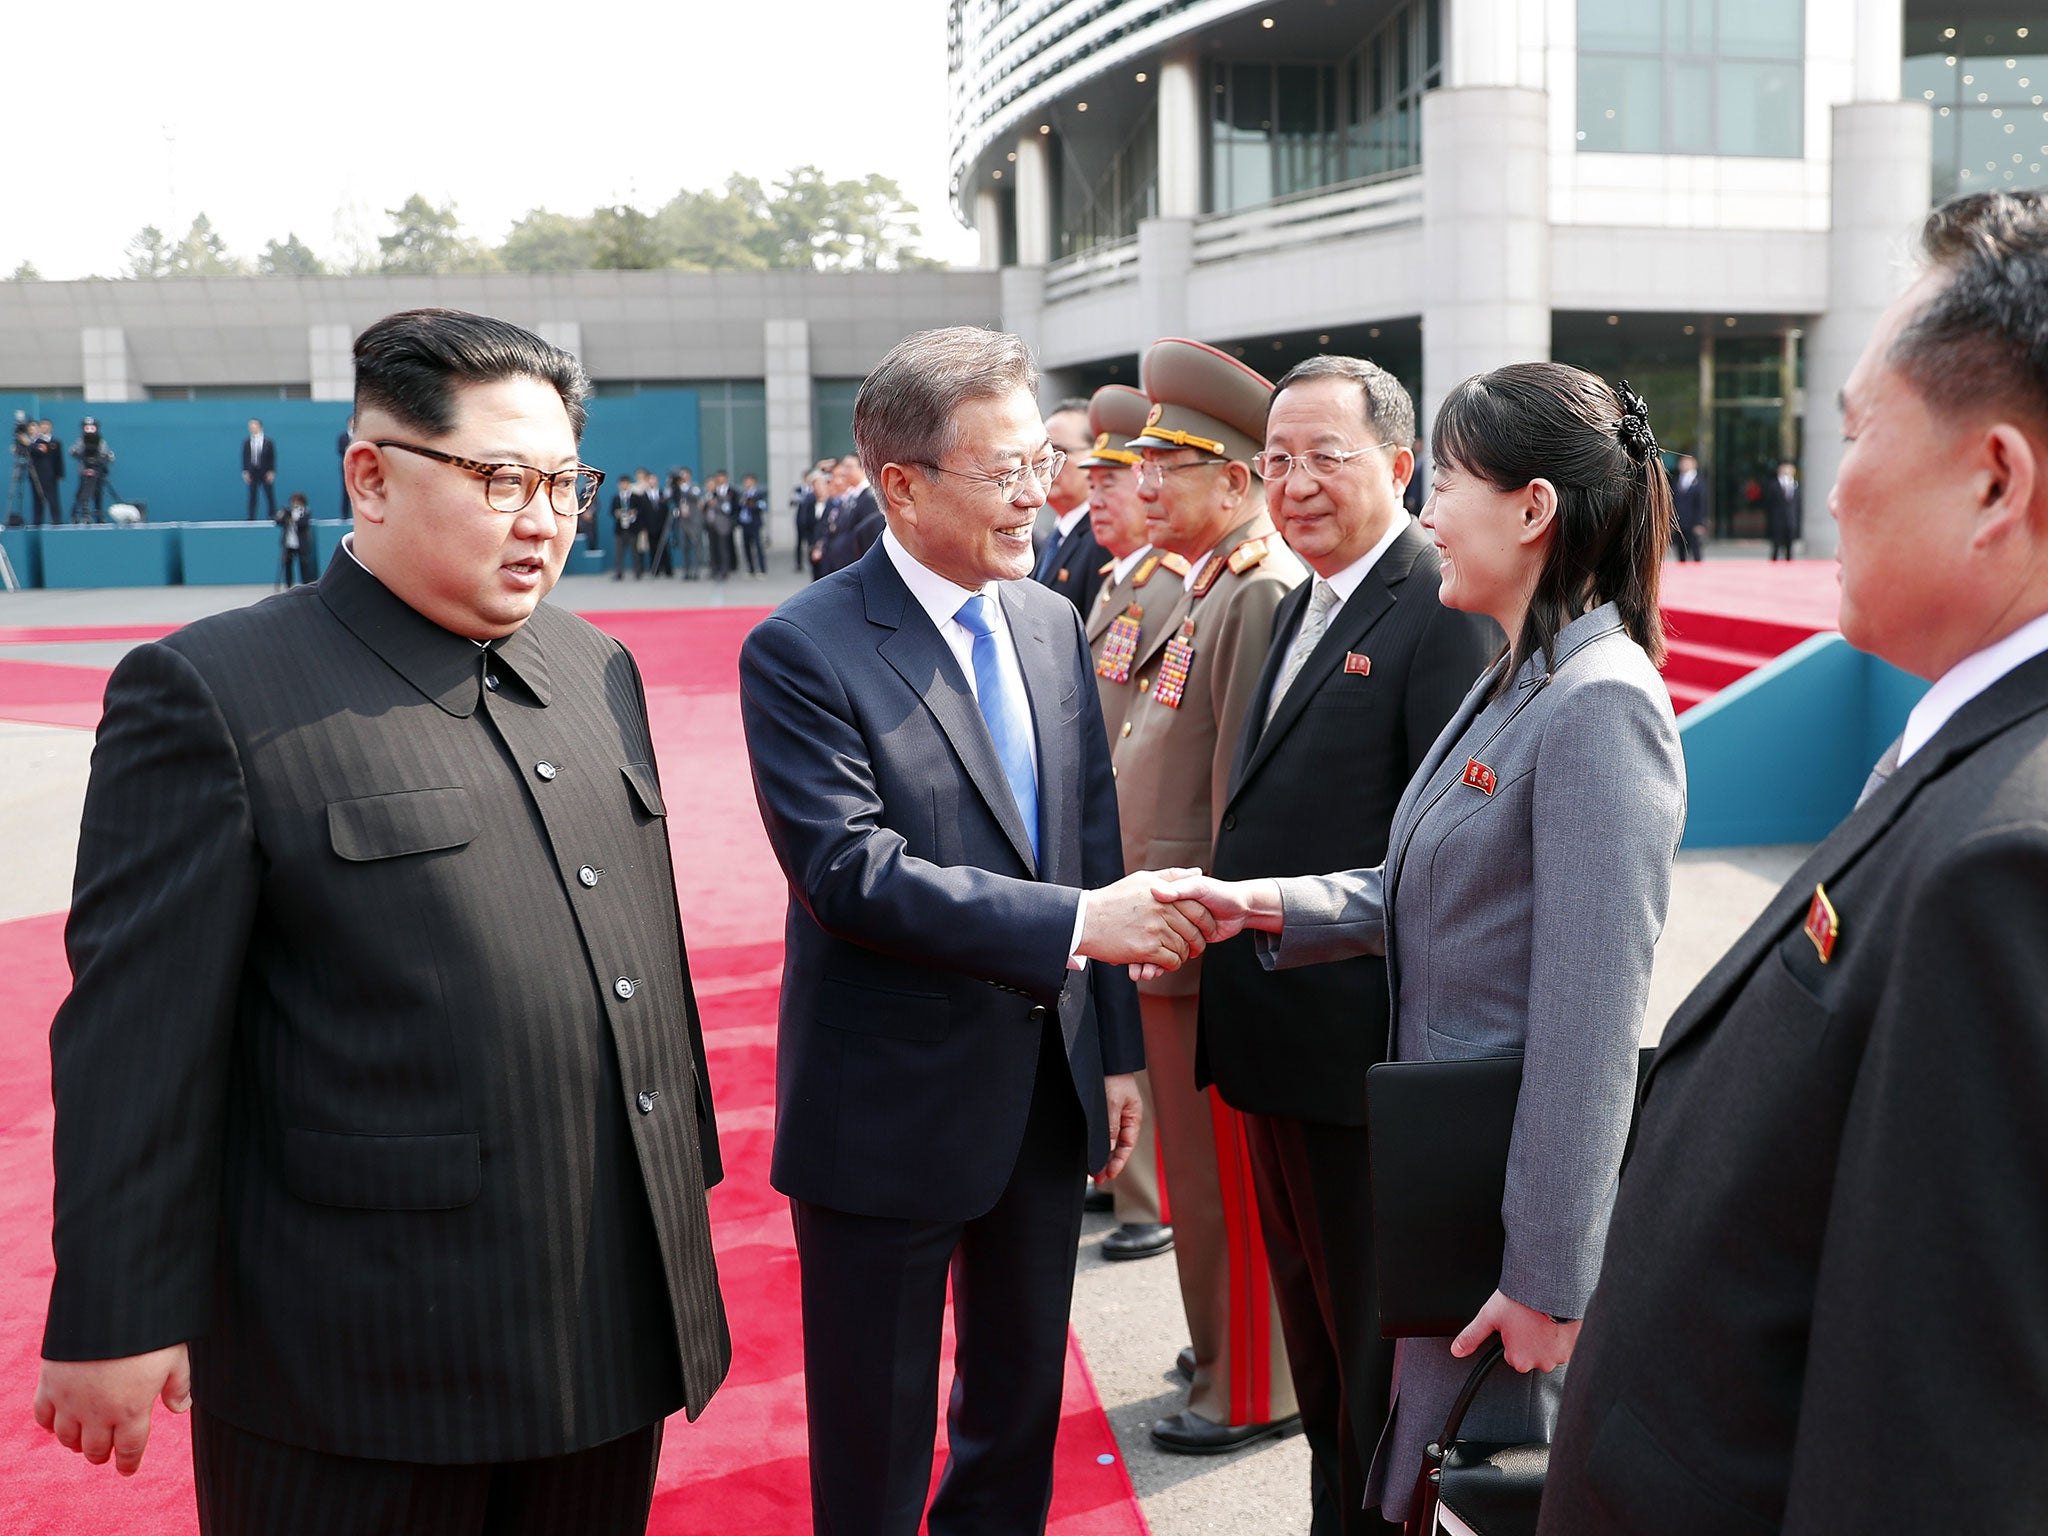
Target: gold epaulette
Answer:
[[1105, 568], [1247, 555], [1178, 564], [1145, 569]]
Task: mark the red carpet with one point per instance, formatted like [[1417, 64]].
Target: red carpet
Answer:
[[740, 1470]]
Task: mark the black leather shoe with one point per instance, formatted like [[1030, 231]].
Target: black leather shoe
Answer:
[[1187, 1433], [1138, 1242], [1098, 1198], [1184, 1364]]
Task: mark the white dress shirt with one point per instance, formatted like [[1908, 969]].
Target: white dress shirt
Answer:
[[1968, 678], [1348, 580], [1129, 563], [940, 597]]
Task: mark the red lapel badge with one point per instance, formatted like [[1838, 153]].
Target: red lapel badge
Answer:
[[1357, 664], [1822, 925], [1480, 777]]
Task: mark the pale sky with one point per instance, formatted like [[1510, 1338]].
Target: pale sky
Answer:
[[314, 118]]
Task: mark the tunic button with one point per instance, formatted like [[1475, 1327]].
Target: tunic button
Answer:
[[1127, 727], [646, 1102], [491, 681], [623, 986], [546, 771], [1143, 685], [588, 876]]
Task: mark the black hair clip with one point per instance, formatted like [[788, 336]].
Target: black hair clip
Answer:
[[1634, 427]]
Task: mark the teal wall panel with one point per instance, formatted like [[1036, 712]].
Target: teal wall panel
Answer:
[[1780, 756], [108, 555], [24, 548]]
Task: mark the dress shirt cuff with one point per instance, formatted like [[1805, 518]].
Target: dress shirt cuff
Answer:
[[1076, 961]]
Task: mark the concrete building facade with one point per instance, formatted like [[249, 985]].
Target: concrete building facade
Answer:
[[1712, 198]]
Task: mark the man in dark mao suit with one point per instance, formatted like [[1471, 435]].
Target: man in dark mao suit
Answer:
[[955, 1050], [1820, 1307], [382, 1127], [1365, 669]]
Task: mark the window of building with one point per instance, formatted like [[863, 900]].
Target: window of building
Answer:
[[1279, 129], [1102, 187], [1987, 82], [832, 416], [732, 427], [1692, 77]]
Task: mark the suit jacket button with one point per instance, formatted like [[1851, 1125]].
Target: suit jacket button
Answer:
[[1230, 821], [491, 681], [1038, 1013], [646, 1101], [588, 876], [624, 986], [544, 771]]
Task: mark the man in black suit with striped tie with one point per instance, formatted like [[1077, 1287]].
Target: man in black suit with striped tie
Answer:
[[382, 1125]]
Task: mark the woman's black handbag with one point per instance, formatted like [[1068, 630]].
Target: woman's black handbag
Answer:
[[1470, 1487]]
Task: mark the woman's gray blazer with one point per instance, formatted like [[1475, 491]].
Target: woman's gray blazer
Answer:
[[1527, 894]]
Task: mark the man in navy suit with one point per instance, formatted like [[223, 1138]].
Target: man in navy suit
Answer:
[[1071, 561], [955, 1050], [259, 469]]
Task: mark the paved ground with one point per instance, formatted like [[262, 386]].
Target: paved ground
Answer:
[[1127, 1315]]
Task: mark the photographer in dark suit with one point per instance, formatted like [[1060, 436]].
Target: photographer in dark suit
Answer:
[[1689, 509], [382, 1127], [1784, 509], [1820, 1306], [294, 541], [1366, 668], [259, 469], [95, 458], [46, 472]]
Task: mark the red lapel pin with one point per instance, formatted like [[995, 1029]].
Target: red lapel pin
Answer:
[[1357, 664], [1822, 925], [1479, 776]]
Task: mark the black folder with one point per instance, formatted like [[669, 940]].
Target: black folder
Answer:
[[1438, 1134]]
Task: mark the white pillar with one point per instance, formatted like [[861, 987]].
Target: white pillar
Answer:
[[109, 370], [1166, 259], [1882, 175], [787, 388], [1034, 200], [1880, 49], [988, 224], [1182, 113], [330, 352], [1485, 234], [1020, 296], [1485, 42]]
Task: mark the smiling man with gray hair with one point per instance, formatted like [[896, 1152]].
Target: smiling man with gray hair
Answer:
[[932, 770]]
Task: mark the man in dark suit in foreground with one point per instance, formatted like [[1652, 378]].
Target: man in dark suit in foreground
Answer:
[[1365, 669], [955, 1050], [1820, 1308], [382, 1127]]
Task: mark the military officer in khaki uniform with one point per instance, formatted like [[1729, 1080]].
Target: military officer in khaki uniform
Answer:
[[1140, 586], [1192, 684]]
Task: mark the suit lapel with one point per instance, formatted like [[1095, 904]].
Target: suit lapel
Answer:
[[1286, 624], [1375, 597], [2021, 693], [928, 665]]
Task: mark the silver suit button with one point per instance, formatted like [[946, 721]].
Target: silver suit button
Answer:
[[646, 1102], [491, 681], [588, 876], [624, 986], [545, 770]]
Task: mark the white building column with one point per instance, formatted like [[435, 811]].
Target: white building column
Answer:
[[1034, 200], [330, 352], [787, 388], [1020, 295], [1166, 260], [1880, 49], [109, 370], [988, 225], [1485, 44], [1485, 234], [1883, 170], [1182, 111]]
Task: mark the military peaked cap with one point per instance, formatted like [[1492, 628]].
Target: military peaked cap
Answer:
[[1205, 399], [1115, 415]]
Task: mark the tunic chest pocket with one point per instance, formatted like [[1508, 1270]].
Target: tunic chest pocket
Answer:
[[409, 821]]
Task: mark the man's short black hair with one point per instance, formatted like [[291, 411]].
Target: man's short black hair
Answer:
[[1982, 339], [408, 364]]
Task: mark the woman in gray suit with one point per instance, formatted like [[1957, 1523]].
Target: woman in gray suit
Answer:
[[1529, 860]]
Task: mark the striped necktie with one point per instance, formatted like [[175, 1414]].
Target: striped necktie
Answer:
[[1886, 767], [1320, 602]]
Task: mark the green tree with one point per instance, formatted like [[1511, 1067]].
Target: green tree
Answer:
[[838, 226], [549, 242], [713, 231], [626, 240], [426, 238], [203, 253], [25, 273], [290, 258], [150, 254]]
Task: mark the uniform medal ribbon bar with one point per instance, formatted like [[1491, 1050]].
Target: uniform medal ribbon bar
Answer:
[[1120, 645], [1174, 665]]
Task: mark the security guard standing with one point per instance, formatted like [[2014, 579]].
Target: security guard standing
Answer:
[[1140, 586], [1194, 681]]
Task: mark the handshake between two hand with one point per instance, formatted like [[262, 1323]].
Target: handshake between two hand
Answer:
[[1156, 921]]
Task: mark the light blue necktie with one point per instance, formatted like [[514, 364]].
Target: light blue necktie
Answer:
[[1000, 694]]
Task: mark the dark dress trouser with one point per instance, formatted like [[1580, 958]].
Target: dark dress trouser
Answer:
[[1315, 1208], [250, 1485], [874, 1301]]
